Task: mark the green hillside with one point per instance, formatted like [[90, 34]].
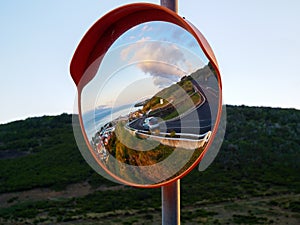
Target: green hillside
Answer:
[[254, 179], [176, 99]]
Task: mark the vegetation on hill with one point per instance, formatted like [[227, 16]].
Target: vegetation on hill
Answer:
[[259, 160], [52, 158], [176, 99]]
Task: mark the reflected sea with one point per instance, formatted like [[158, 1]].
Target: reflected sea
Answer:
[[93, 120]]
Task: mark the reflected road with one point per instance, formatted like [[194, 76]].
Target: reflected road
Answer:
[[197, 121]]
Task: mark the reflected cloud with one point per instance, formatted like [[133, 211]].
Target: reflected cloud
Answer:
[[147, 28], [163, 74], [163, 60]]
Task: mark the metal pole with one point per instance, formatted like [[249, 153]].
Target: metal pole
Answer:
[[171, 203], [170, 194], [170, 4]]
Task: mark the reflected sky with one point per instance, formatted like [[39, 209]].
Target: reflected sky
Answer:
[[144, 52], [159, 31]]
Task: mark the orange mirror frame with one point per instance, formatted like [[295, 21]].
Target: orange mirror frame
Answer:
[[97, 41]]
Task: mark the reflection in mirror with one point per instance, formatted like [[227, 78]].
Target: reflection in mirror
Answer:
[[149, 112]]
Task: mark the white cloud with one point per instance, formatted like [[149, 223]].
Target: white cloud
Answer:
[[162, 60], [147, 28], [144, 39]]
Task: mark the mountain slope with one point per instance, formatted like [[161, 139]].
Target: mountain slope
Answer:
[[255, 174]]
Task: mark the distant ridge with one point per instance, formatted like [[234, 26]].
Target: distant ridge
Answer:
[[259, 160]]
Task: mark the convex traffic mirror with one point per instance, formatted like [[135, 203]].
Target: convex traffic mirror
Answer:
[[149, 95]]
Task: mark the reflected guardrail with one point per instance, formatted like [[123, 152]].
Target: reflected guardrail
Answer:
[[179, 140]]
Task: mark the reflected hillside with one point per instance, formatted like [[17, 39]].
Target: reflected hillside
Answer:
[[183, 96], [175, 100]]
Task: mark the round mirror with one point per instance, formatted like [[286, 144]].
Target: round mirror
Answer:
[[151, 108]]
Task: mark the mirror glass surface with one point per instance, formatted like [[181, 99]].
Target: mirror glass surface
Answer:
[[149, 112]]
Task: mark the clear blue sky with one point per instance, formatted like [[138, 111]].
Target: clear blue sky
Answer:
[[257, 44]]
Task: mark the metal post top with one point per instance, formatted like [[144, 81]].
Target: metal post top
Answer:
[[170, 4]]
